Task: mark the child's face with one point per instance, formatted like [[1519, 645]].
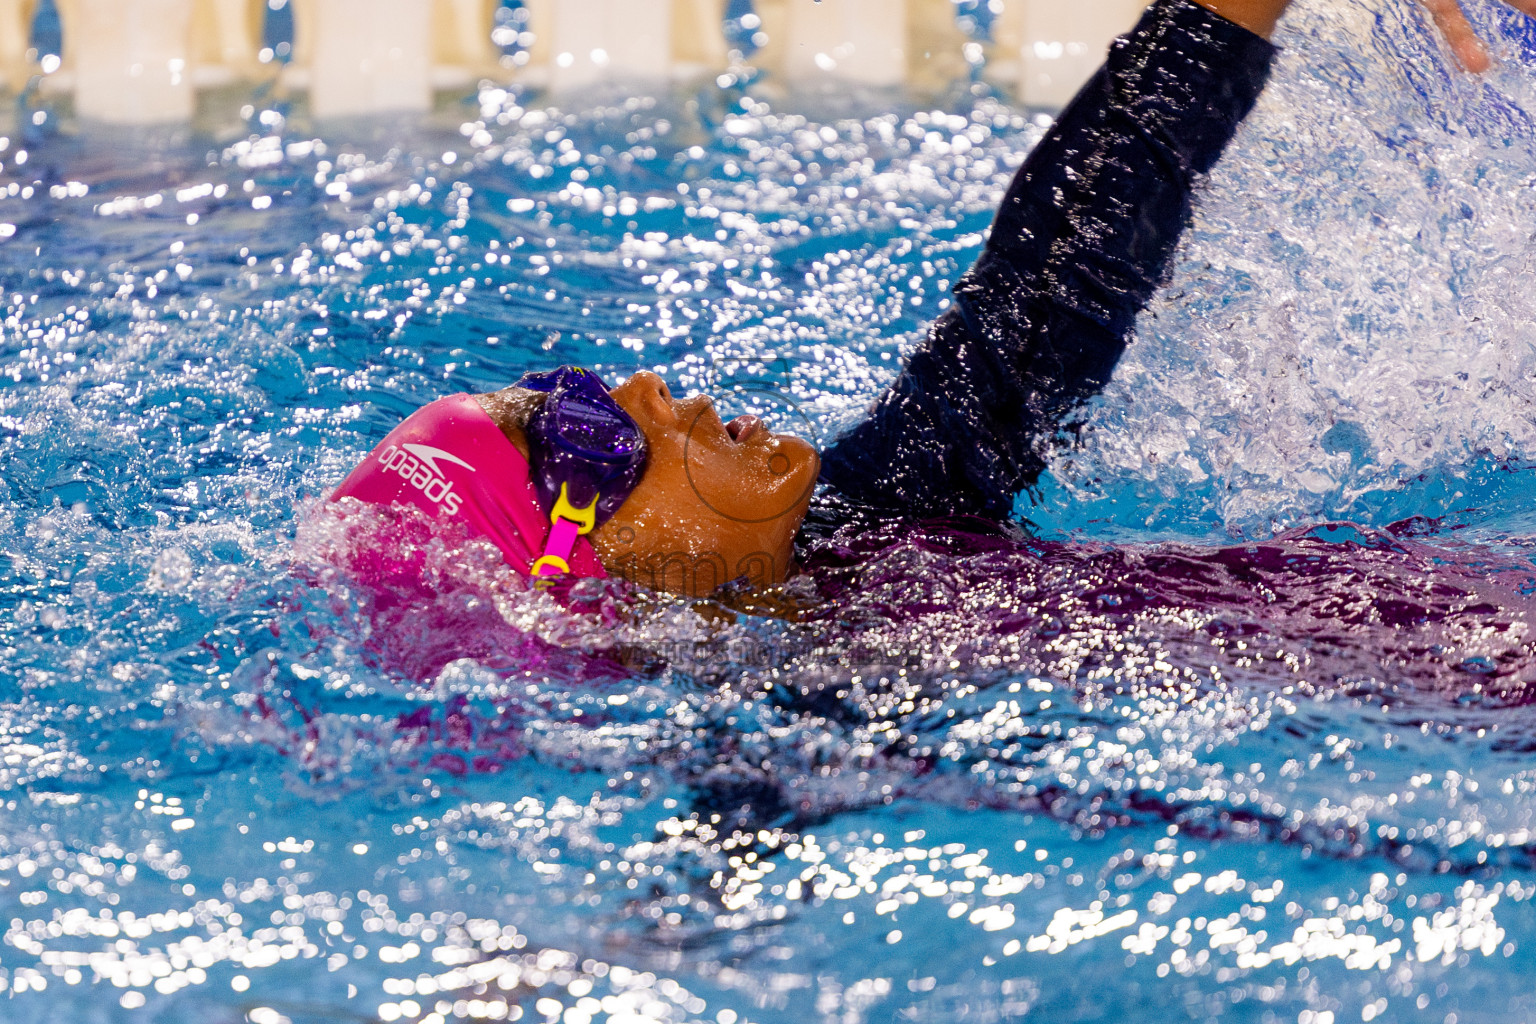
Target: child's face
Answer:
[[716, 503]]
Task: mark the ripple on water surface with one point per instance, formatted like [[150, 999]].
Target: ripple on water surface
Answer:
[[958, 775]]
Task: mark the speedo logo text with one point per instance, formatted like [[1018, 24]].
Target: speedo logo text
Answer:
[[418, 465]]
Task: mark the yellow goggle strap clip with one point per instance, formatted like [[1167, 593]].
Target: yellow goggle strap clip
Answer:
[[566, 524]]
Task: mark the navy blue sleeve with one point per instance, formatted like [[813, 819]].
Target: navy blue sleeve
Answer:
[[1080, 243]]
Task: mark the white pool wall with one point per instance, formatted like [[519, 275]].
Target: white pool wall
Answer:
[[144, 61], [1056, 46], [15, 22]]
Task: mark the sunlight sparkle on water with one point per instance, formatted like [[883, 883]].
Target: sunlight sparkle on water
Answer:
[[969, 778]]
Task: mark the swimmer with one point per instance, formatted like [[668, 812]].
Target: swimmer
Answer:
[[570, 479], [567, 477]]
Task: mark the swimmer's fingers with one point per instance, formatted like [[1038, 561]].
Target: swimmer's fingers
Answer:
[[1452, 23]]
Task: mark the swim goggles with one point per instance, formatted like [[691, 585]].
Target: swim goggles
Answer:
[[587, 455]]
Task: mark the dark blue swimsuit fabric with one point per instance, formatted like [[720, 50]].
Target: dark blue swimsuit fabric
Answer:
[[1080, 243]]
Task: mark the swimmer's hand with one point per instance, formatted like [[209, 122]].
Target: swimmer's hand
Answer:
[[1452, 23]]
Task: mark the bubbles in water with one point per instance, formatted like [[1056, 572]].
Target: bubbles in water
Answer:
[[270, 756], [1345, 333]]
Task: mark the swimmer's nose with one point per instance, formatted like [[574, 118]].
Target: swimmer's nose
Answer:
[[645, 396]]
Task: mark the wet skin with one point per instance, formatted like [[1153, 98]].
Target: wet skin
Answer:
[[1449, 16], [718, 502]]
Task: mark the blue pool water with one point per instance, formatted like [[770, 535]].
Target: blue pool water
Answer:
[[1245, 733]]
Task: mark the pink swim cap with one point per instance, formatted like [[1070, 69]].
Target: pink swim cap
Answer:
[[453, 462]]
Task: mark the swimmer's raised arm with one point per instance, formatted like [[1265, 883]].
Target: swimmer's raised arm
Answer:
[[1081, 242], [1079, 245]]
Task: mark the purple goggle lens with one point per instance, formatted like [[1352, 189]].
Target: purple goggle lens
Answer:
[[582, 439]]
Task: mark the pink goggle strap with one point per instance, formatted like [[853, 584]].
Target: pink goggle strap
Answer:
[[556, 560]]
